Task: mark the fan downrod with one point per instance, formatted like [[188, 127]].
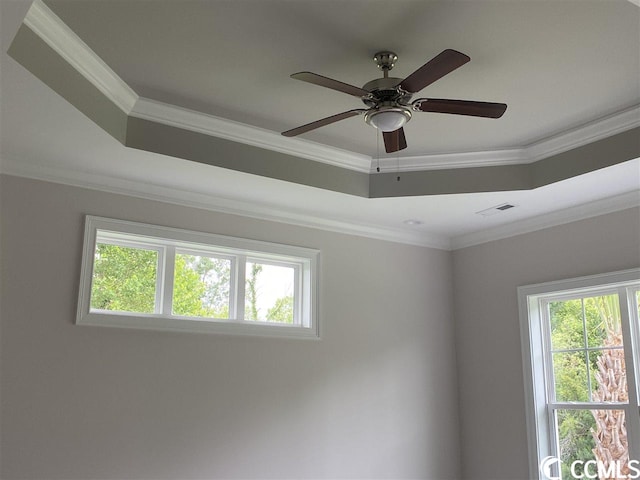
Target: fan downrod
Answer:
[[383, 90], [389, 100]]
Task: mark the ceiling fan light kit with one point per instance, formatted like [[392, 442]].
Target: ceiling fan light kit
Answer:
[[387, 119], [389, 99]]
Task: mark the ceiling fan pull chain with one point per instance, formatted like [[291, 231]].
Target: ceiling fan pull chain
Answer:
[[389, 99], [378, 150]]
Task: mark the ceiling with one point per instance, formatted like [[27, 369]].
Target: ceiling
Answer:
[[563, 67]]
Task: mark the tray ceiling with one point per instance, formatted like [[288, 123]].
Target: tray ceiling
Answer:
[[568, 71]]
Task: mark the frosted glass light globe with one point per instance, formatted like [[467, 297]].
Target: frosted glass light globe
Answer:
[[388, 120]]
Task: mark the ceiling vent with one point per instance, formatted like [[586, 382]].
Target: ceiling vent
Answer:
[[495, 210]]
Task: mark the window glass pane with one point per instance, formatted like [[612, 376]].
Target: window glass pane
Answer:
[[570, 375], [608, 375], [269, 293], [124, 279], [201, 286], [611, 443], [575, 439], [567, 328], [604, 326], [151, 277], [594, 442]]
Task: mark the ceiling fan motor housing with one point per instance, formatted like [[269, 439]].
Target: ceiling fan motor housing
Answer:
[[388, 106], [389, 99], [384, 90]]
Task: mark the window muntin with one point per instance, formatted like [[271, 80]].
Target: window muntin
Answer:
[[580, 351], [633, 331], [182, 280], [586, 348]]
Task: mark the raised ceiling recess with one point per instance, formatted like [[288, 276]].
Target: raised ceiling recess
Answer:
[[53, 52]]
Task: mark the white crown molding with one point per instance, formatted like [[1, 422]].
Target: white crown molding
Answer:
[[184, 118], [63, 40], [55, 33], [186, 198], [175, 196], [441, 161], [242, 133], [238, 132], [560, 217], [583, 135]]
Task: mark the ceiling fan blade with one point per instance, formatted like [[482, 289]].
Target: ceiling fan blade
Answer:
[[322, 122], [330, 83], [461, 107], [394, 141], [436, 68]]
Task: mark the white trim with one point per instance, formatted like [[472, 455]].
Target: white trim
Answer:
[[168, 239], [532, 335], [534, 391], [166, 272], [256, 329], [583, 135], [240, 279], [275, 214], [194, 121], [238, 132], [552, 219], [176, 196], [63, 40], [490, 158], [553, 145], [55, 33]]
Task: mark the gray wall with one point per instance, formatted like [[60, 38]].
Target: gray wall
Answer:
[[493, 429], [375, 398]]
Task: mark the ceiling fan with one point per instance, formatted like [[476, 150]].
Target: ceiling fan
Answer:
[[389, 98]]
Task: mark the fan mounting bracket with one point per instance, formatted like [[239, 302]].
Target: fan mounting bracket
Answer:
[[389, 99], [385, 60]]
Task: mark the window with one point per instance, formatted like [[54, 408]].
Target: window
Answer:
[[144, 276], [581, 356]]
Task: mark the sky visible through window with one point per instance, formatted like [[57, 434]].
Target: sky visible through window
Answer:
[[273, 283], [151, 277]]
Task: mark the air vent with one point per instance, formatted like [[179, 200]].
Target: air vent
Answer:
[[506, 206], [495, 210]]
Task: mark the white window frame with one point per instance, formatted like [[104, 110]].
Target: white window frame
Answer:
[[166, 241], [532, 300]]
